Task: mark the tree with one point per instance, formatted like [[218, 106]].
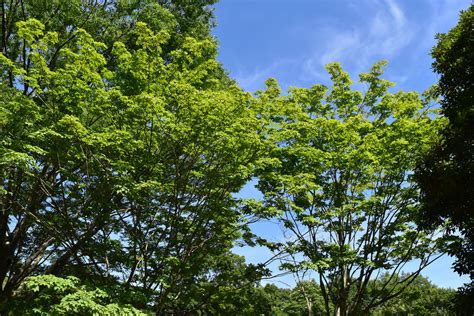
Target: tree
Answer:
[[278, 299], [301, 294], [446, 175], [341, 176], [230, 287], [120, 147], [51, 295], [420, 298]]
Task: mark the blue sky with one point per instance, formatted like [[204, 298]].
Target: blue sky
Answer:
[[292, 40]]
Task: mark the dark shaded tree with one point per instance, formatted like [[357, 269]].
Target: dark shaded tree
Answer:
[[446, 175]]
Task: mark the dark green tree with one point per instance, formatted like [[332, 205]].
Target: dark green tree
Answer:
[[305, 299], [446, 175], [278, 298], [420, 298], [229, 287]]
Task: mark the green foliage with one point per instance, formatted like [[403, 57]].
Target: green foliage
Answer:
[[120, 151], [123, 143], [342, 176], [420, 298], [51, 295], [445, 176], [229, 286], [305, 299]]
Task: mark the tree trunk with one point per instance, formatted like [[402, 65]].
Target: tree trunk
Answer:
[[342, 301], [309, 303]]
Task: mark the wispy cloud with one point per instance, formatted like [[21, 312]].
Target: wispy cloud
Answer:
[[253, 80], [383, 35], [356, 33], [446, 12]]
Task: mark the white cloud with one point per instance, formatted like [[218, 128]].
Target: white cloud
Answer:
[[374, 30], [254, 80], [396, 13], [383, 35], [251, 81]]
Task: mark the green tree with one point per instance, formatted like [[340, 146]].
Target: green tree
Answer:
[[278, 299], [305, 299], [228, 286], [342, 177], [420, 298], [51, 295], [119, 157], [446, 175]]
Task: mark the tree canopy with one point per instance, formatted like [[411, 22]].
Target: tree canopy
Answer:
[[446, 175], [342, 177], [124, 143], [119, 158]]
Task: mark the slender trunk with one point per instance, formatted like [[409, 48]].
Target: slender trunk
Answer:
[[341, 307], [4, 247], [345, 290], [324, 292], [309, 303]]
